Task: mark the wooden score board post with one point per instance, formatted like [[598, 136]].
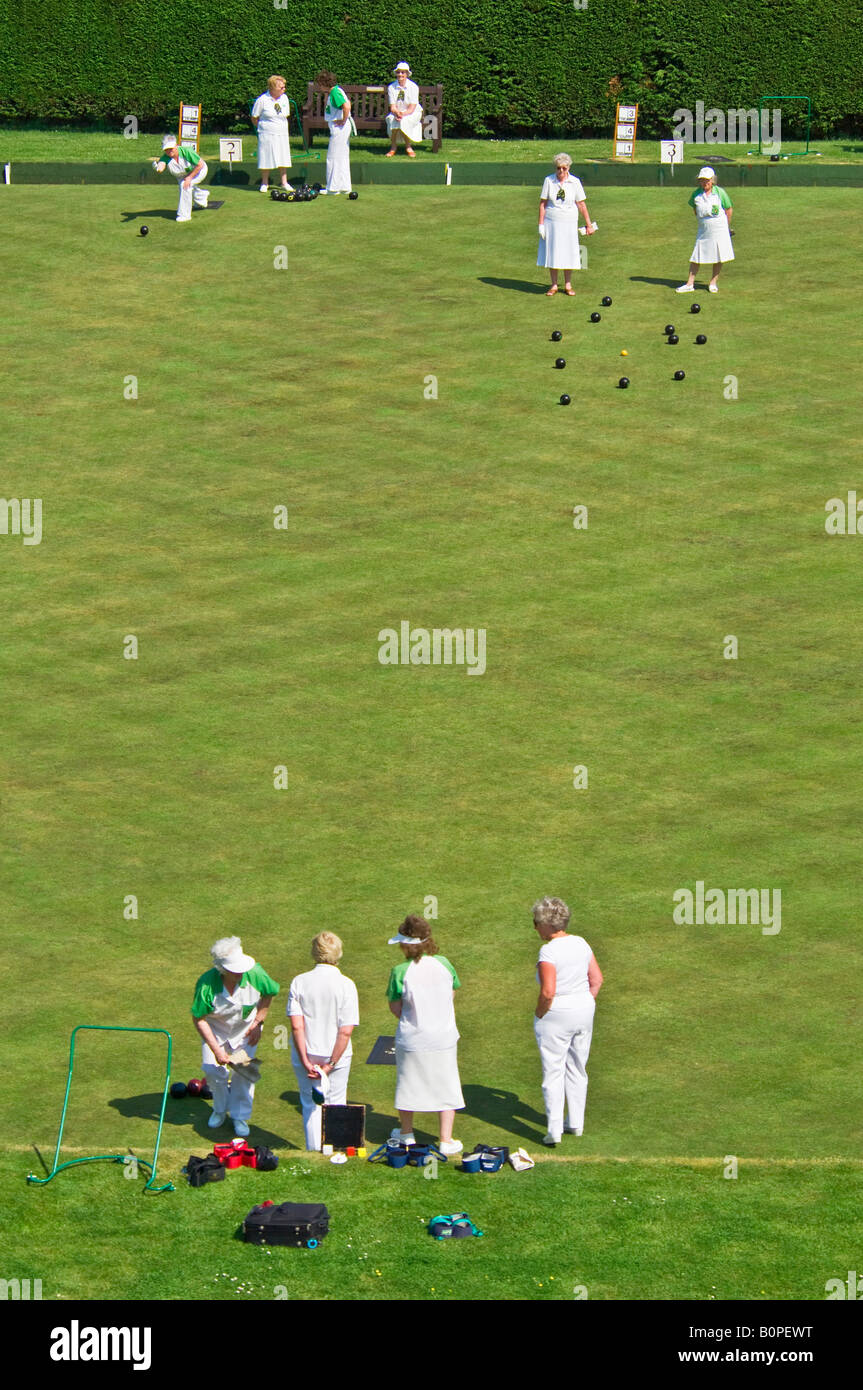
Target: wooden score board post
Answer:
[[190, 126], [625, 122]]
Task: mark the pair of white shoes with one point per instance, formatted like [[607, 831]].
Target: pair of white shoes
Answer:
[[551, 1139], [446, 1146], [217, 1119], [690, 289]]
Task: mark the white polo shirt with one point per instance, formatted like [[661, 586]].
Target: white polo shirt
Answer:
[[327, 1001]]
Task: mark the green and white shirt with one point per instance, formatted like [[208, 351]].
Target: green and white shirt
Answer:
[[228, 1014], [425, 987], [710, 207], [335, 102], [184, 162]]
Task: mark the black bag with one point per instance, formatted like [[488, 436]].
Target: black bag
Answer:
[[266, 1160], [201, 1170], [290, 1223]]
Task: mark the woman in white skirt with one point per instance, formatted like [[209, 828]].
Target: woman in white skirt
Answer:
[[405, 116], [420, 994], [323, 1009], [712, 207], [337, 114], [569, 981], [270, 119], [561, 200]]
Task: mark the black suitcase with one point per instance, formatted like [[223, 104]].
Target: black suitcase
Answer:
[[289, 1223]]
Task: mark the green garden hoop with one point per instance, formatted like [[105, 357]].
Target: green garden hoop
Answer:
[[112, 1158], [796, 154]]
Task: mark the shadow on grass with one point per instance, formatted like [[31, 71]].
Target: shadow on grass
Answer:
[[524, 286], [652, 280], [505, 1110], [150, 212], [191, 1114]]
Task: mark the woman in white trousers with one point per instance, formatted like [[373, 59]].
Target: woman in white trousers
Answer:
[[569, 981], [337, 115], [324, 1010]]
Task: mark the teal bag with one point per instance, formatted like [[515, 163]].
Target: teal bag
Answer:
[[447, 1227]]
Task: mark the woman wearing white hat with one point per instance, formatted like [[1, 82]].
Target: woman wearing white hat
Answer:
[[324, 1010], [569, 981], [712, 207], [189, 169], [230, 1005], [420, 994], [270, 119], [405, 113]]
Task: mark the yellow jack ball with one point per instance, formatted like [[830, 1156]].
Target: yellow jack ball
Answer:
[[623, 352]]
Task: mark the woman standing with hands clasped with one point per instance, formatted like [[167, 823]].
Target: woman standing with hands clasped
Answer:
[[569, 981], [270, 119], [323, 1010], [561, 200], [712, 207]]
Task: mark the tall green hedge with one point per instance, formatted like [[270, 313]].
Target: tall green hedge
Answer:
[[508, 66]]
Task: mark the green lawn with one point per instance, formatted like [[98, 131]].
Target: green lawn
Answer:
[[111, 147], [308, 387]]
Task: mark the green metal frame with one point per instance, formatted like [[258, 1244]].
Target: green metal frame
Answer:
[[797, 154], [113, 1158]]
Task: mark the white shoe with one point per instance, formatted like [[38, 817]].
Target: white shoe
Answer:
[[265, 188], [550, 1140], [241, 1129], [450, 1146], [569, 1129], [396, 1137], [712, 289], [184, 219], [217, 1119], [685, 289], [288, 187]]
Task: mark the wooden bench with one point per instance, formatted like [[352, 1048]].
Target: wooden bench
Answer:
[[369, 109]]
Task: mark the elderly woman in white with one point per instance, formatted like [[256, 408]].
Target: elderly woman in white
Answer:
[[230, 1005], [324, 1010], [712, 207], [569, 981], [405, 116], [270, 118], [561, 200]]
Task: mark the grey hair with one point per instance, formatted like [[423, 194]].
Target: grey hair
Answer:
[[326, 948], [563, 159], [551, 912], [224, 948]]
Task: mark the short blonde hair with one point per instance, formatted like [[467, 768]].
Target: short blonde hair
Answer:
[[326, 948], [551, 912], [562, 159], [277, 77]]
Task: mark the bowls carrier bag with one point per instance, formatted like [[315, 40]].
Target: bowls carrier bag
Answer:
[[288, 1223]]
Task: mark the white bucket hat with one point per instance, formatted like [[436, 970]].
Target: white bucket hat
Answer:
[[228, 954], [707, 172], [402, 67]]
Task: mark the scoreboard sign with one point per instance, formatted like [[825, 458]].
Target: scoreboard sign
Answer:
[[625, 122]]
